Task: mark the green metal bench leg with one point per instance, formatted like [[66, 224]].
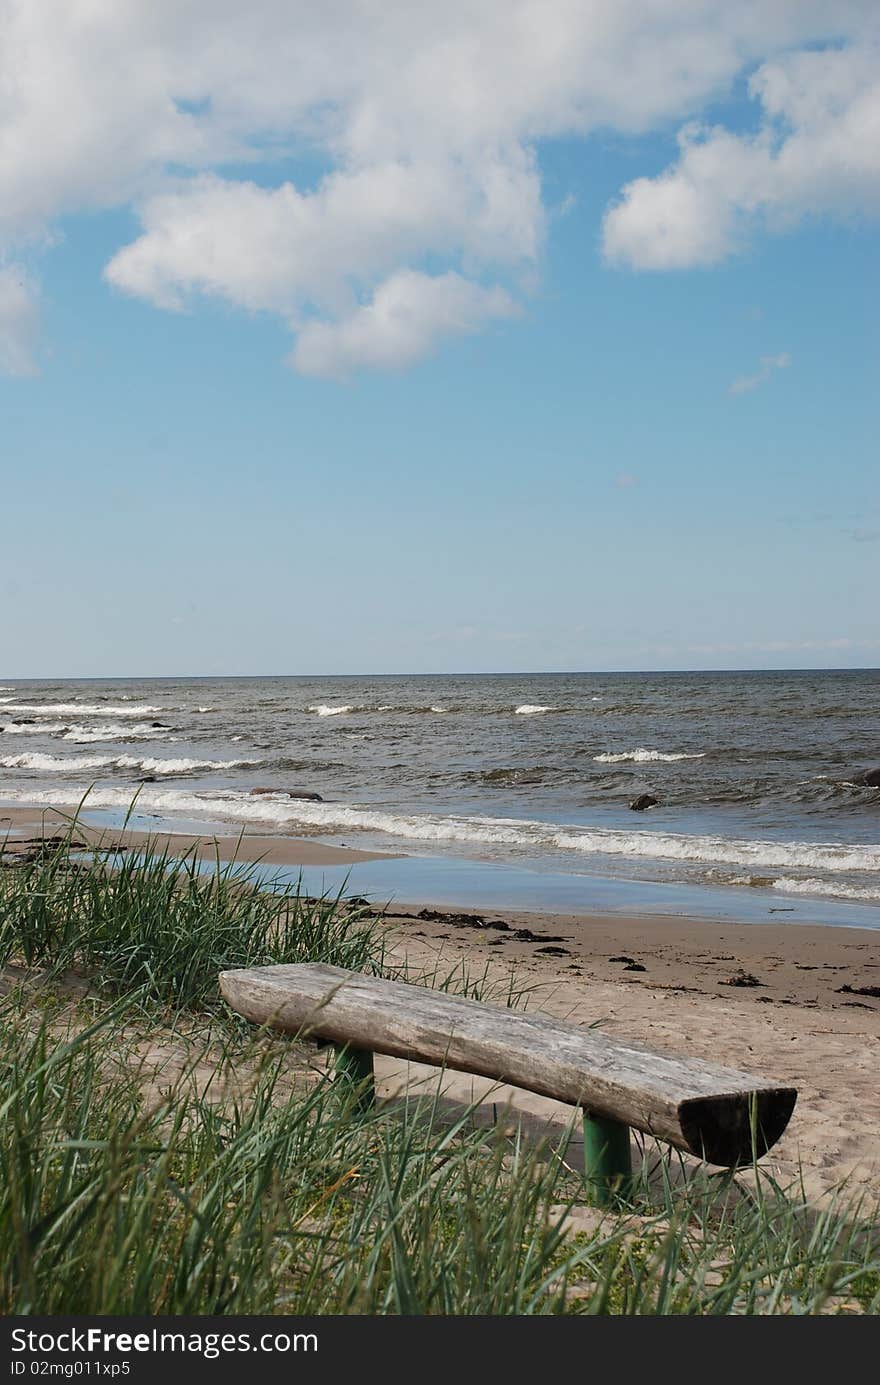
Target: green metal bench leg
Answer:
[[607, 1160], [355, 1065]]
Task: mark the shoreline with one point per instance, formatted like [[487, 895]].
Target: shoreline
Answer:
[[247, 847], [815, 965]]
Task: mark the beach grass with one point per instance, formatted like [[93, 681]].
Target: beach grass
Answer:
[[158, 1156], [163, 926]]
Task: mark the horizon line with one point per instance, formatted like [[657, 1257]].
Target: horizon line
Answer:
[[436, 673]]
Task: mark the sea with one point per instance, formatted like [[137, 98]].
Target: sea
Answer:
[[496, 790]]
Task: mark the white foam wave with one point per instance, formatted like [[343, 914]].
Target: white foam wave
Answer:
[[72, 763], [788, 885], [178, 765], [324, 711], [529, 709], [642, 757], [88, 709], [438, 709], [39, 729], [52, 762], [519, 835], [85, 735]]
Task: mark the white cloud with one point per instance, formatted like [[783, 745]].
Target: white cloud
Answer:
[[422, 125], [408, 314], [817, 152], [767, 365], [19, 323], [283, 251]]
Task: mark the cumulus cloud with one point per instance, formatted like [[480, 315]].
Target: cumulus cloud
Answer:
[[422, 129], [768, 364], [285, 251], [409, 312], [19, 323], [817, 152]]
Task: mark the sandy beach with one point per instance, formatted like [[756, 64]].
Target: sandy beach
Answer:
[[795, 1026], [798, 1003]]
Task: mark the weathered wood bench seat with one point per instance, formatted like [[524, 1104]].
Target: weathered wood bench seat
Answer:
[[716, 1113]]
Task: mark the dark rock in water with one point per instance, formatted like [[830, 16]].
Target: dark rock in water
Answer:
[[25, 721], [860, 990], [165, 725], [644, 800], [147, 779], [870, 779], [291, 793], [623, 958], [634, 966]]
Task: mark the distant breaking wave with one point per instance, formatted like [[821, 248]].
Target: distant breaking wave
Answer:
[[528, 709], [38, 729], [323, 710], [88, 709], [642, 757], [85, 735]]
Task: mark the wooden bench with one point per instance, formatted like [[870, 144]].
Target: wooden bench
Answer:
[[716, 1113]]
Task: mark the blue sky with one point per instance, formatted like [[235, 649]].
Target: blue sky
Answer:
[[629, 422]]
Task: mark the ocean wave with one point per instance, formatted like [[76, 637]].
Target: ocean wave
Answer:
[[86, 735], [324, 711], [642, 757], [516, 775], [180, 765], [72, 763], [88, 709], [401, 710], [52, 762], [529, 709], [522, 835], [788, 885], [38, 729]]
